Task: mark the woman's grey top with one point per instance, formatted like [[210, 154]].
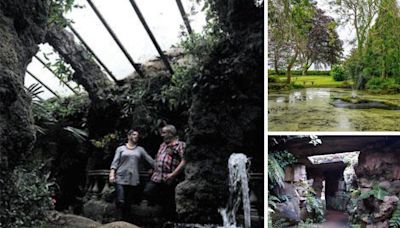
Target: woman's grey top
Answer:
[[126, 164]]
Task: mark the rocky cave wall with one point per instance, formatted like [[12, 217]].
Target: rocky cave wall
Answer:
[[22, 27], [226, 111], [377, 168]]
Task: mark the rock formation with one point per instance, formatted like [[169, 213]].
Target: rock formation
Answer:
[[226, 111], [22, 27]]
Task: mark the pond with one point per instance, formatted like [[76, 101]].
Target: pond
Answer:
[[319, 109]]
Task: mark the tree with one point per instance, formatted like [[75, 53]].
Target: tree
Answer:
[[360, 14], [289, 24], [382, 51], [324, 46]]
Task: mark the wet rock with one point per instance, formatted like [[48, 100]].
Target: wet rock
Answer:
[[365, 183], [58, 219], [100, 210], [386, 208], [384, 184], [22, 27], [288, 211], [118, 224], [383, 224], [394, 187]]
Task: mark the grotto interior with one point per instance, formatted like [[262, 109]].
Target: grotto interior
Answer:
[[337, 181], [55, 154]]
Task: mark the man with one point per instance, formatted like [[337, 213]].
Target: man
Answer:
[[168, 165], [124, 172]]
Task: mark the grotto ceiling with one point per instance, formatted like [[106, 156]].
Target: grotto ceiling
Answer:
[[302, 149]]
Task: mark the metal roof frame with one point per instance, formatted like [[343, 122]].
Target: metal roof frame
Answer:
[[118, 42]]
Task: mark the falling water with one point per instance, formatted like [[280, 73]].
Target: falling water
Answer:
[[238, 188]]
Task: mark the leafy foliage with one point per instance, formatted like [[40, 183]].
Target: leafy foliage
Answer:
[[338, 73], [383, 85], [58, 8], [61, 69], [197, 47], [277, 161], [276, 173], [289, 25], [376, 191], [382, 55], [324, 46], [178, 92], [395, 219], [284, 158], [299, 72], [27, 196], [314, 206]]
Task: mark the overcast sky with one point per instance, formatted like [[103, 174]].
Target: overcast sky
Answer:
[[346, 32], [162, 16]]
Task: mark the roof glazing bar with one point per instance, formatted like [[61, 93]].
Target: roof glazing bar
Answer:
[[92, 52], [184, 16], [37, 79], [153, 39], [52, 71], [136, 66]]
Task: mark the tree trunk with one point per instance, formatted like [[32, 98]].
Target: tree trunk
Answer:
[[276, 59], [289, 68], [305, 68]]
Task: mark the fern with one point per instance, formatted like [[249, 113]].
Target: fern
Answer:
[[395, 220], [276, 174], [314, 206], [376, 191]]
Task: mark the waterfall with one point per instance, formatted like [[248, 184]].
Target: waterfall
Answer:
[[238, 190]]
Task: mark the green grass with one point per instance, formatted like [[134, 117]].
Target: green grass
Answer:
[[314, 81]]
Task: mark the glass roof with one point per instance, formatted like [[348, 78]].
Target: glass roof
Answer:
[[163, 18]]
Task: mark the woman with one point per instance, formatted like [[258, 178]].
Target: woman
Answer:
[[125, 172]]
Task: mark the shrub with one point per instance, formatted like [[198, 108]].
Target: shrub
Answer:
[[383, 85], [299, 72], [27, 196], [314, 206], [273, 79], [338, 73]]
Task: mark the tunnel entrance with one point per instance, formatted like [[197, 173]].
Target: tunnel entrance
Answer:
[[332, 178]]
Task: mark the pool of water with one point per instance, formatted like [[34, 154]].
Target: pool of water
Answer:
[[313, 109]]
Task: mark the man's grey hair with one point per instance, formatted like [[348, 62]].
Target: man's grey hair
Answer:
[[170, 128]]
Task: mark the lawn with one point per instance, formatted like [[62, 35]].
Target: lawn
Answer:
[[314, 81]]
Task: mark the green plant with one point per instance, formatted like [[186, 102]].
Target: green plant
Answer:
[[57, 8], [395, 219], [383, 85], [178, 92], [306, 224], [314, 206], [284, 158], [338, 73], [61, 69], [276, 173], [27, 196], [299, 72], [376, 191]]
